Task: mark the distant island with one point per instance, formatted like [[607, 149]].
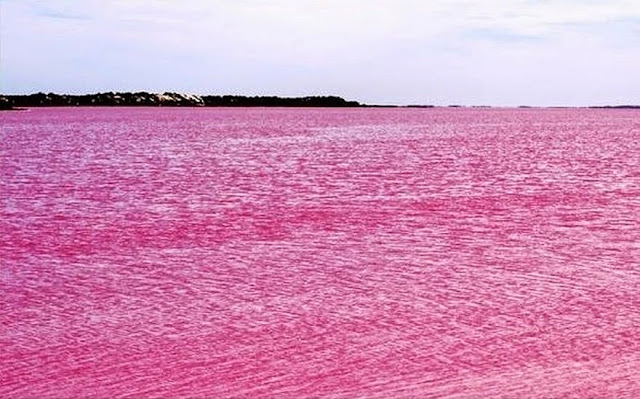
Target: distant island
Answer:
[[171, 99], [167, 99]]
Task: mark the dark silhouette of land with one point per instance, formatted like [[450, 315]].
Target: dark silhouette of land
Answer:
[[167, 99], [617, 106], [5, 104], [170, 99]]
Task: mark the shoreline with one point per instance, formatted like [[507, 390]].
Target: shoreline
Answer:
[[13, 102]]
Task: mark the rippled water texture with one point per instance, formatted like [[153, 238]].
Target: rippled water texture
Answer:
[[320, 253]]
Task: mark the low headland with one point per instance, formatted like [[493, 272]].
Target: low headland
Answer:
[[171, 99], [167, 99]]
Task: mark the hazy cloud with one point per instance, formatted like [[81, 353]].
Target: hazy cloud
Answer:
[[402, 51]]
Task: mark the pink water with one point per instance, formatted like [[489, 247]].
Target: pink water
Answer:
[[343, 253]]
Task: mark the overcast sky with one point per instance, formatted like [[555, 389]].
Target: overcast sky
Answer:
[[473, 52]]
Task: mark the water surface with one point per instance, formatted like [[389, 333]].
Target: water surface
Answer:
[[319, 253]]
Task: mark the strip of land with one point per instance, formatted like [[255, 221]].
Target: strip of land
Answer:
[[167, 99], [170, 99]]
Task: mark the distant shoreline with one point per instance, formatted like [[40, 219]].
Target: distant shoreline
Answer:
[[171, 99], [167, 99]]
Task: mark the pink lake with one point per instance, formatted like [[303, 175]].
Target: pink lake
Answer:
[[319, 253]]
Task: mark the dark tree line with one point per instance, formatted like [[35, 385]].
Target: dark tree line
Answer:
[[168, 99], [272, 101]]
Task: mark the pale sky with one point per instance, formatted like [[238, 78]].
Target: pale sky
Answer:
[[471, 52]]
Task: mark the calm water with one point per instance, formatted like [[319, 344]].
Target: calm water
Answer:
[[320, 253]]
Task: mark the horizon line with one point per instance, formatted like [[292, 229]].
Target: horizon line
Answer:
[[351, 103]]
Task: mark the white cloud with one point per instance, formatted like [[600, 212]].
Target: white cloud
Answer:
[[376, 50]]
